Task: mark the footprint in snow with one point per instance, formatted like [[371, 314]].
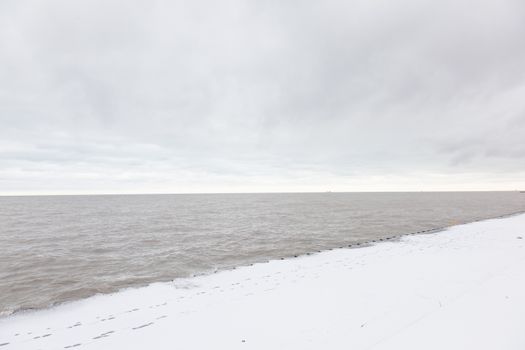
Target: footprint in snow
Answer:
[[43, 336], [104, 335], [142, 326]]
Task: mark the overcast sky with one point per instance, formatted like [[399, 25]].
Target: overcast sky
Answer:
[[128, 96]]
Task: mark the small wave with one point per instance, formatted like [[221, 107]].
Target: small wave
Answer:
[[5, 313]]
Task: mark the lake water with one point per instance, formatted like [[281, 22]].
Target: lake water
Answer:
[[60, 248]]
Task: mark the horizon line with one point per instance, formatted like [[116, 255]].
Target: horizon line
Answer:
[[224, 193]]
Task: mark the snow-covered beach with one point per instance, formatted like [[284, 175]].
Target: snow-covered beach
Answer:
[[461, 288]]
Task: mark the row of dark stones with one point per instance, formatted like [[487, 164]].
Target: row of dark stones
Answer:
[[366, 243]]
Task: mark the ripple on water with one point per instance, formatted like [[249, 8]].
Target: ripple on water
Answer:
[[61, 248]]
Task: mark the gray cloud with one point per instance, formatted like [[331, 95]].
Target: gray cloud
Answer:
[[184, 96]]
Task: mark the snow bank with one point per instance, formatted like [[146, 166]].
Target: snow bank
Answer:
[[462, 288]]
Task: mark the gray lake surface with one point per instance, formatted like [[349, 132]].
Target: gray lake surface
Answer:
[[60, 248]]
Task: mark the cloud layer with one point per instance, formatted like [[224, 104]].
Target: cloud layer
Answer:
[[205, 96]]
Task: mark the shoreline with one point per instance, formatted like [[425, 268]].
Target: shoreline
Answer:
[[357, 244], [397, 293]]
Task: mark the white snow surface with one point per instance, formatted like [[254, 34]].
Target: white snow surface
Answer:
[[461, 288]]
